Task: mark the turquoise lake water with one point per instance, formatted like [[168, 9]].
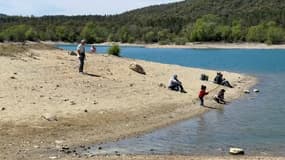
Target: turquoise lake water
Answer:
[[256, 122]]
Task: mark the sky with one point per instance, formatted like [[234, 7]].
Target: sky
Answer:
[[73, 7]]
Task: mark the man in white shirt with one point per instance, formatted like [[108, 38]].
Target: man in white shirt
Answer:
[[81, 55]]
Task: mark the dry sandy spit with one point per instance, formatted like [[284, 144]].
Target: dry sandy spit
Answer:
[[108, 103]]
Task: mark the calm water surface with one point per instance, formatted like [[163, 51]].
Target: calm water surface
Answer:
[[255, 122]]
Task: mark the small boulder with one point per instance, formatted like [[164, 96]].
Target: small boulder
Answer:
[[162, 85], [59, 141], [117, 153], [65, 148], [52, 157], [72, 103], [246, 91], [49, 117], [72, 53], [236, 151], [137, 68], [36, 146], [256, 90]]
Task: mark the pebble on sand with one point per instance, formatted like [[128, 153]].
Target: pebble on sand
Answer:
[[72, 103], [236, 151], [246, 91], [49, 117], [256, 90], [52, 157]]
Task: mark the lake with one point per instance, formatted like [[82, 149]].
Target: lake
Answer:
[[255, 122]]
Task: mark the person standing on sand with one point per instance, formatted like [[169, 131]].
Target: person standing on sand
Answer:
[[81, 55], [202, 94]]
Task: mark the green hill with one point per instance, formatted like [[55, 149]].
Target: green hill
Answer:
[[190, 20], [251, 11]]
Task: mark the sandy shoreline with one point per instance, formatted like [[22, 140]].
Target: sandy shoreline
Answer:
[[192, 45], [109, 103], [212, 45]]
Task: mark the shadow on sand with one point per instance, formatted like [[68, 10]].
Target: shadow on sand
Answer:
[[92, 75], [211, 107]]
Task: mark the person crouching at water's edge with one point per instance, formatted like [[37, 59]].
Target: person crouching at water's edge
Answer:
[[81, 55], [220, 97], [176, 85]]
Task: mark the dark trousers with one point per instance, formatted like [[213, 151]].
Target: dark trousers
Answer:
[[81, 65], [201, 101], [176, 87]]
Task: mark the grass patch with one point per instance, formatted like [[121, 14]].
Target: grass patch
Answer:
[[114, 50]]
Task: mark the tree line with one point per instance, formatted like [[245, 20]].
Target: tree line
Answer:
[[176, 23], [207, 28]]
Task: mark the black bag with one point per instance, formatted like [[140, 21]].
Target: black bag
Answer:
[[204, 77]]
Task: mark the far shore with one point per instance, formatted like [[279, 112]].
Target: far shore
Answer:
[[194, 45]]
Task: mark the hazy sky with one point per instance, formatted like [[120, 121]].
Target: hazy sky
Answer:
[[73, 7]]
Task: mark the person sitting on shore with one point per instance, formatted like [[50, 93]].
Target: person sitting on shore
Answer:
[[219, 78], [226, 83], [176, 85], [220, 97], [93, 48], [222, 81], [202, 94]]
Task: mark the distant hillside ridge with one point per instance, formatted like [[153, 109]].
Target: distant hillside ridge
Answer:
[[174, 23]]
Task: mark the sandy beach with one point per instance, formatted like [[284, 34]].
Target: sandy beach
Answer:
[[47, 104]]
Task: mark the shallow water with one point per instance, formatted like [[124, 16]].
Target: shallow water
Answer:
[[256, 122]]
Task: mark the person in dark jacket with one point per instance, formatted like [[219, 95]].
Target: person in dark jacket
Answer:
[[202, 94], [219, 79]]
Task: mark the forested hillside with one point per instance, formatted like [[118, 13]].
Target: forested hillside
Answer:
[[187, 21]]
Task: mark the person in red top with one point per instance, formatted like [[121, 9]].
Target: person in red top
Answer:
[[202, 94]]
